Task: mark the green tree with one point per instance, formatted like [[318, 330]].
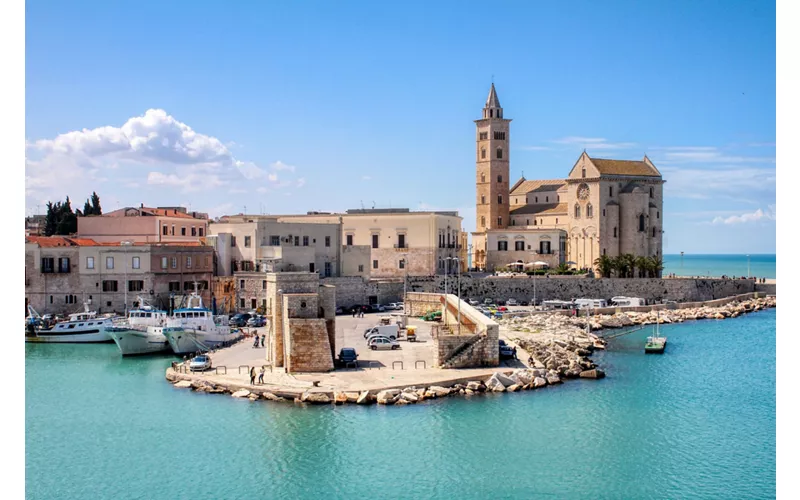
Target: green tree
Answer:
[[60, 220], [642, 265], [604, 265], [96, 209], [656, 266]]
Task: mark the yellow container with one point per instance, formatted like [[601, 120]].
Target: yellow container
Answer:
[[411, 330]]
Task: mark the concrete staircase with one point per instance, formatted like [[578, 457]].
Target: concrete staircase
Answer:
[[462, 352]]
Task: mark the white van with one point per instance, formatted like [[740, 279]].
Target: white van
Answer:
[[627, 301], [390, 331], [590, 303]]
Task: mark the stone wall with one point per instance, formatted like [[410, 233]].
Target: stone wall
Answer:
[[418, 304], [353, 290], [307, 346]]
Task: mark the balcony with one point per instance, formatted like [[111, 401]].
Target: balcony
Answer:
[[403, 246]]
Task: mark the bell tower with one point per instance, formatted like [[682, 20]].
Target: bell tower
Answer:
[[492, 157]]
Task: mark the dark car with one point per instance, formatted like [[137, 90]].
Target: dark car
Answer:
[[239, 320], [523, 302], [340, 310], [348, 355], [353, 309], [506, 351]]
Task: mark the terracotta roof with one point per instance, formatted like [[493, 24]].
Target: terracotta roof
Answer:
[[543, 209], [59, 241], [543, 185], [624, 167]]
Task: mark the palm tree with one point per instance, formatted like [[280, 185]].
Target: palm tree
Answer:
[[561, 269], [604, 265], [656, 266], [627, 264], [643, 266]]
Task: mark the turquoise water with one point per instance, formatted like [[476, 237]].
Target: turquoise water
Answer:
[[697, 422], [761, 265]]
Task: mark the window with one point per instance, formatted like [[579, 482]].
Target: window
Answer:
[[109, 262], [297, 241], [402, 264], [610, 193], [499, 153], [500, 199], [604, 251], [483, 200], [188, 261], [513, 222], [374, 264], [328, 269], [164, 229], [536, 199], [528, 222], [72, 299], [544, 247], [547, 199], [499, 179], [110, 286], [658, 215], [401, 240], [89, 262], [233, 241], [51, 299], [349, 240], [499, 222], [136, 263], [194, 231], [163, 262], [311, 267], [253, 304], [305, 241], [589, 211], [241, 284], [241, 303], [519, 246], [327, 241], [483, 177], [483, 221], [183, 230], [135, 285], [577, 211], [583, 172], [275, 241], [615, 232], [654, 232], [174, 263], [361, 268], [483, 153], [173, 230], [174, 286], [641, 222], [500, 136], [502, 246], [374, 241], [651, 192], [604, 212], [556, 220], [247, 242], [534, 222], [484, 136], [63, 265], [200, 231]]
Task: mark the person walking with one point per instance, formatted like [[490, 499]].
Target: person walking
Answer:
[[355, 310], [263, 339], [515, 352], [261, 375], [253, 375]]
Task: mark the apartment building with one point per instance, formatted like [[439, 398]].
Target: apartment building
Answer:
[[144, 225]]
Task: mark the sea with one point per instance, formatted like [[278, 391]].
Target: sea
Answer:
[[760, 265], [696, 422]]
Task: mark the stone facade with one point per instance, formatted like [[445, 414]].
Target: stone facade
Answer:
[[144, 225], [525, 246], [604, 207]]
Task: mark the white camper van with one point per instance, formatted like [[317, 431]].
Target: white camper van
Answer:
[[627, 301], [590, 303]]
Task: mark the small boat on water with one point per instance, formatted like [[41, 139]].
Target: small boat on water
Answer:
[[196, 329], [82, 327], [655, 344], [142, 332]]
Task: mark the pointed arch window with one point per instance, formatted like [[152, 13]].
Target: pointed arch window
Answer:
[[615, 232], [577, 211], [499, 199], [654, 232], [652, 191], [483, 177], [583, 172], [499, 222], [483, 153], [483, 221], [499, 153], [641, 223], [483, 200], [589, 211]]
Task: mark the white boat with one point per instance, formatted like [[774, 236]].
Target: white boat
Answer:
[[142, 332], [82, 327], [196, 329]]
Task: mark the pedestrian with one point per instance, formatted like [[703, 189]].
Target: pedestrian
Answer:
[[261, 375], [515, 352], [263, 338], [355, 310], [253, 375], [255, 344]]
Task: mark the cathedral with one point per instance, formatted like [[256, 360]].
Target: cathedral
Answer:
[[603, 207]]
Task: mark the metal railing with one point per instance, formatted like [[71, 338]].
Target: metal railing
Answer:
[[402, 367]]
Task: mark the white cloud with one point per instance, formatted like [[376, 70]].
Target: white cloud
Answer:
[[707, 154], [732, 181], [154, 148], [301, 182], [758, 215], [594, 143]]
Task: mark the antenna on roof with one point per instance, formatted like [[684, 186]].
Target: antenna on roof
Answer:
[[362, 204], [373, 204]]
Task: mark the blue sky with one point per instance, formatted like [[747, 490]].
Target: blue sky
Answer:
[[285, 108]]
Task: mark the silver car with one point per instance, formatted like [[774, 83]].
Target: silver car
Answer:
[[200, 363], [376, 343]]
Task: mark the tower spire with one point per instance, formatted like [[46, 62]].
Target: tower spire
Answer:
[[492, 101]]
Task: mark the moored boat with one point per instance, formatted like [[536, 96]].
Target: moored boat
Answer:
[[141, 332], [655, 344], [82, 327], [196, 329]]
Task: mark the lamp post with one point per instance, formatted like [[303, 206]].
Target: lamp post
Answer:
[[681, 263], [126, 244], [405, 277], [748, 266]]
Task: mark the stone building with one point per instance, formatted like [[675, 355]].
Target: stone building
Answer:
[[301, 332], [603, 207], [144, 225], [400, 242]]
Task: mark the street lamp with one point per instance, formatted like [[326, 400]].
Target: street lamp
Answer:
[[748, 266], [126, 244], [405, 277]]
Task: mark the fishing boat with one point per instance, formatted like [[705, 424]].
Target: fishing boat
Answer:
[[142, 332], [196, 329], [655, 344], [81, 327]]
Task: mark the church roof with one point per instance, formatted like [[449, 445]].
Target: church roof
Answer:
[[492, 101], [543, 209], [526, 187], [624, 167]]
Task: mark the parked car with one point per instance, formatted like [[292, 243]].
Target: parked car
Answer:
[[523, 302], [511, 302], [487, 301], [506, 351], [400, 306], [501, 302], [256, 321], [376, 308], [391, 306], [502, 308], [348, 355], [200, 363], [239, 320], [340, 310], [473, 302], [376, 343]]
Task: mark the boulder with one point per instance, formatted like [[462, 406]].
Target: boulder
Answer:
[[523, 377], [503, 379], [316, 398], [364, 398], [719, 316], [201, 385], [339, 398], [270, 397], [409, 396], [596, 373], [539, 382], [400, 402], [352, 397], [553, 379], [475, 386], [469, 392], [388, 396], [513, 388], [439, 391], [252, 397], [494, 384], [429, 394], [241, 393], [183, 384]]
